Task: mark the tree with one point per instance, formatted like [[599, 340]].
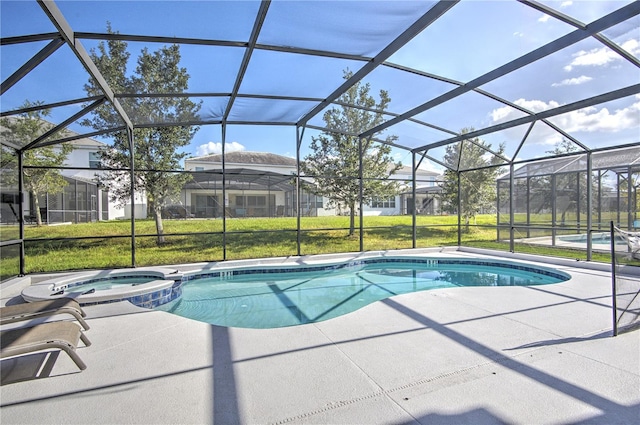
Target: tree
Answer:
[[562, 147], [47, 178], [335, 159], [157, 149], [478, 186]]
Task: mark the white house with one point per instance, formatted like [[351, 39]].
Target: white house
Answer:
[[85, 155], [81, 200], [262, 185], [257, 184]]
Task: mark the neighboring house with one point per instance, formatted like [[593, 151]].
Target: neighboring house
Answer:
[[85, 155], [262, 184], [427, 195], [257, 184], [82, 200]]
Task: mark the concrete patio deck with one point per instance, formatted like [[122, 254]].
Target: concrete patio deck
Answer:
[[477, 355]]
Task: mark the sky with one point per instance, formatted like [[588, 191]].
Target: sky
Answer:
[[471, 39]]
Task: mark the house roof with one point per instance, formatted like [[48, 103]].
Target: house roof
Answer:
[[248, 158], [75, 138], [419, 171], [265, 158], [87, 142], [241, 179]]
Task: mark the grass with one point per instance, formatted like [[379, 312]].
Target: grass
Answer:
[[108, 245]]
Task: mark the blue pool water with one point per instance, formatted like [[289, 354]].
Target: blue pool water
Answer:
[[596, 239], [288, 297], [109, 283]]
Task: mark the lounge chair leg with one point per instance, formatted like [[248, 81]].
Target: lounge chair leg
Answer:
[[80, 320], [74, 356], [84, 339]]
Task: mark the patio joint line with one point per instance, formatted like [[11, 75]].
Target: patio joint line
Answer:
[[342, 403]]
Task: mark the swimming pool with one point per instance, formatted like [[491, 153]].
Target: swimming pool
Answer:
[[288, 296], [596, 239]]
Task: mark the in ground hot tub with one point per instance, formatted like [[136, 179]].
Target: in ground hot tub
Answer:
[[148, 287]]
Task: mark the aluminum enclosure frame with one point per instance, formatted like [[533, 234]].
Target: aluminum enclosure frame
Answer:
[[73, 40]]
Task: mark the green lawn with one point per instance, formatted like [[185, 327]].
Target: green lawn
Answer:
[[107, 244]]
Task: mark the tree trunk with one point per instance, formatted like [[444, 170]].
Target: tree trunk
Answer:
[[36, 204], [352, 220], [159, 226]]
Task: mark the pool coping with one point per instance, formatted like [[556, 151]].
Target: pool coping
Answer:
[[39, 286]]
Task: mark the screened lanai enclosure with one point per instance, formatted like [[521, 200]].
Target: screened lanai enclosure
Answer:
[[216, 130], [570, 201]]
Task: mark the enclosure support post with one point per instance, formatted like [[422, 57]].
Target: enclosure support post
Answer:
[[498, 229], [512, 204], [618, 198], [46, 205], [578, 200], [528, 207], [459, 210], [21, 212], [224, 194], [599, 199], [553, 210], [629, 199], [614, 304], [132, 190], [298, 143], [361, 194], [589, 204], [269, 206], [415, 201]]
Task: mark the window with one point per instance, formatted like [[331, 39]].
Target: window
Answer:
[[199, 168], [81, 196], [383, 203], [310, 200], [251, 201], [206, 206], [94, 160], [105, 205]]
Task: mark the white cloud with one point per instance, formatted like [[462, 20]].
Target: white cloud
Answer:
[[573, 81], [500, 114], [216, 147], [507, 113], [564, 4], [632, 46], [551, 139], [431, 166], [602, 56], [518, 34], [592, 119]]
